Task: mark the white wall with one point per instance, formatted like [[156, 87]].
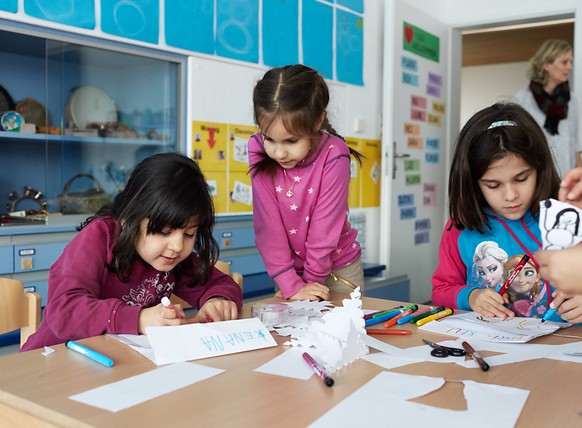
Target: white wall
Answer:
[[483, 85]]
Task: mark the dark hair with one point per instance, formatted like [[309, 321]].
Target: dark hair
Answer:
[[299, 96], [168, 189], [478, 146]]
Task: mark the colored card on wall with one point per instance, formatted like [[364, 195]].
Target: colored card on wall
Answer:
[[137, 20], [349, 48], [209, 145], [190, 25], [238, 143], [78, 13], [237, 29], [371, 171], [420, 42], [280, 35], [317, 36], [355, 5], [355, 188], [9, 5]]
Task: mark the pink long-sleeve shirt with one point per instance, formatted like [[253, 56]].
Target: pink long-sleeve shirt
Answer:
[[304, 237], [85, 299]]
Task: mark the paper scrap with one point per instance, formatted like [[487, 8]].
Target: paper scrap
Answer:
[[137, 389], [48, 351]]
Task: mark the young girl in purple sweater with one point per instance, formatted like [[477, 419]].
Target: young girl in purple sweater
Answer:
[[300, 170], [113, 275]]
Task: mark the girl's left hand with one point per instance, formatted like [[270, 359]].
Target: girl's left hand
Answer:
[[216, 309], [570, 308]]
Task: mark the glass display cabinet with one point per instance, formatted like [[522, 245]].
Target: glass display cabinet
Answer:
[[77, 114]]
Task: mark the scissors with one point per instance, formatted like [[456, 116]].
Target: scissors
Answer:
[[441, 351]]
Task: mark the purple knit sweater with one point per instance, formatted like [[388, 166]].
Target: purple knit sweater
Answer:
[[86, 299]]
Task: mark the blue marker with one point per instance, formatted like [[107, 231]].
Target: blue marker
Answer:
[[382, 318], [94, 355], [549, 314]]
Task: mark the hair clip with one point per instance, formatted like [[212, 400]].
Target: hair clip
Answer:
[[502, 123]]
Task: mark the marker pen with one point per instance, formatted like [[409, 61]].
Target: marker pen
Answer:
[[168, 304], [514, 274], [434, 317], [549, 314], [88, 352], [317, 369]]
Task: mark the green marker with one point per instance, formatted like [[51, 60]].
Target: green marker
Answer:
[[426, 314]]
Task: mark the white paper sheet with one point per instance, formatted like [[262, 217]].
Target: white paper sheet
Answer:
[[289, 364], [559, 224], [195, 341], [137, 389], [383, 401], [471, 325]]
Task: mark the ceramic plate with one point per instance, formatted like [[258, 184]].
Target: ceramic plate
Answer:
[[90, 104]]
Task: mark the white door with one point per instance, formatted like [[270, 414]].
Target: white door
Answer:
[[415, 122]]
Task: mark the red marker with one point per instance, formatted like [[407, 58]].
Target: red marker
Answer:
[[513, 275], [166, 302]]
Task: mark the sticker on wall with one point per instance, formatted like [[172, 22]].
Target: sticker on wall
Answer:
[[432, 143], [406, 199], [432, 157], [419, 115], [420, 42], [421, 238], [422, 225], [192, 25], [209, 145], [411, 128], [132, 19], [418, 102], [407, 213], [432, 90], [415, 143], [78, 13], [413, 180], [439, 107], [237, 29], [434, 119], [407, 63], [238, 156], [429, 194], [411, 165], [409, 79]]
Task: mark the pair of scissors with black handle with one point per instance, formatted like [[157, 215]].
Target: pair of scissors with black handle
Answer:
[[441, 351]]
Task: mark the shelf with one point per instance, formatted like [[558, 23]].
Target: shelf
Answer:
[[43, 138]]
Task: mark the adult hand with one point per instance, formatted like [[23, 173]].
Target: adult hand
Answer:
[[571, 187], [562, 268], [489, 303]]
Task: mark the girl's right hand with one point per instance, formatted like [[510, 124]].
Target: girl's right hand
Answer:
[[157, 316], [489, 303], [312, 291]]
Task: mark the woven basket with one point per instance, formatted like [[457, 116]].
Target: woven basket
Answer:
[[86, 202]]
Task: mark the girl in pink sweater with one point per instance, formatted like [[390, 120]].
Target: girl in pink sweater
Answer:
[[300, 170]]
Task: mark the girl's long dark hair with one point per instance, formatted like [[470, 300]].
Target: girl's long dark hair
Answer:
[[479, 145], [299, 96], [168, 189]]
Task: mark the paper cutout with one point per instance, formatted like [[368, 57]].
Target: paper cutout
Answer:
[[474, 325], [193, 341], [289, 364], [385, 398], [47, 351], [337, 337], [559, 224], [137, 389]]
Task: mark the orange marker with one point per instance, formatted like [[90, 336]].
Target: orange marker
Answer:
[[388, 331], [392, 321]]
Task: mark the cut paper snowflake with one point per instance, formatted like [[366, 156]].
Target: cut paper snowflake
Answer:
[[336, 338]]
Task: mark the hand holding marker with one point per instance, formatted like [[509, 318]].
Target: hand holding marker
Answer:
[[513, 275], [168, 304]]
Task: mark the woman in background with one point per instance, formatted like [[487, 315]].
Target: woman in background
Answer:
[[549, 100]]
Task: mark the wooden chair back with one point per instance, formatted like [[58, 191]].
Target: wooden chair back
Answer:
[[222, 266], [18, 310]]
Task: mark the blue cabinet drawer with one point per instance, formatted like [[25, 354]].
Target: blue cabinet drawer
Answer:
[[245, 264], [29, 258], [40, 287], [233, 238], [6, 260]]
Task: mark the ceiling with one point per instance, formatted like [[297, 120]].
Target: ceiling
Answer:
[[511, 45]]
